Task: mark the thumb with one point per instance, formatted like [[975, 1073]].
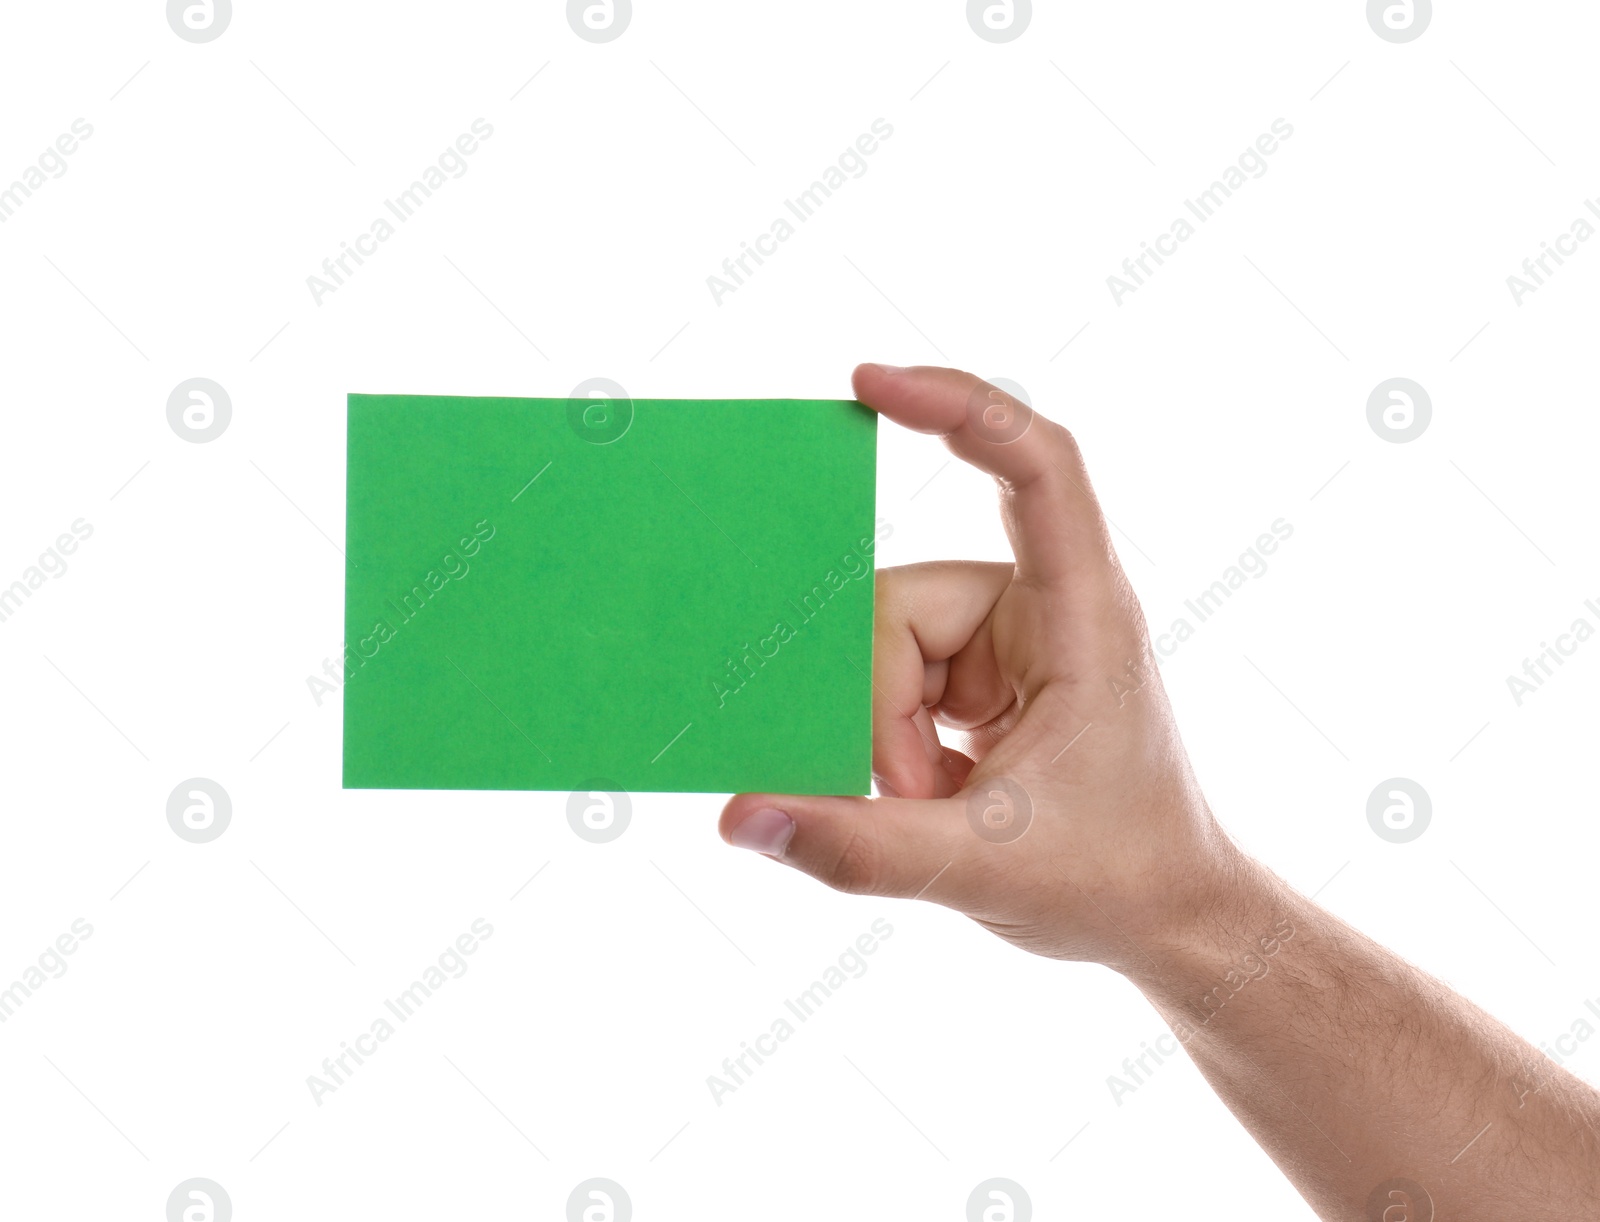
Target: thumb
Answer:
[[866, 846]]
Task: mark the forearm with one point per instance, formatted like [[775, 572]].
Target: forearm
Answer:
[[1352, 1068]]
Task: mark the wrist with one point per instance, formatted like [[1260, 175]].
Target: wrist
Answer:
[[1217, 930]]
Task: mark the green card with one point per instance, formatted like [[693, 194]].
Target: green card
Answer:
[[613, 594]]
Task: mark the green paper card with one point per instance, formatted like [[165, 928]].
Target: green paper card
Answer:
[[612, 594]]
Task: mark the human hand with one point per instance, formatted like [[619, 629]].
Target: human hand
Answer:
[[1069, 821]]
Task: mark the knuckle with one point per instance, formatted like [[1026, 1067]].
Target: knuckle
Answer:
[[1064, 442], [884, 583], [890, 587]]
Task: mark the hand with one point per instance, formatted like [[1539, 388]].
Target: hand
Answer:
[[1071, 825], [1069, 821]]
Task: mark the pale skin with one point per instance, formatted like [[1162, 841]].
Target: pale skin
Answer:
[[1350, 1067]]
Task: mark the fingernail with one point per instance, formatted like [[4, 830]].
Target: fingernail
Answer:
[[888, 368], [766, 831]]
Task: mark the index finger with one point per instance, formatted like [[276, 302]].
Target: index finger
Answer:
[[1057, 531]]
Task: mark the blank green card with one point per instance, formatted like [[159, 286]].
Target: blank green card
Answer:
[[597, 593]]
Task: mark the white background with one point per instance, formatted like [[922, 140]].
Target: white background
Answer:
[[1226, 393]]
